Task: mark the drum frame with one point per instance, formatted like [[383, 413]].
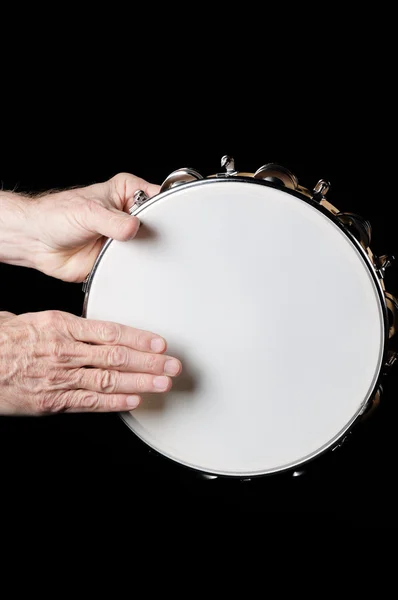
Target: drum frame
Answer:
[[388, 303]]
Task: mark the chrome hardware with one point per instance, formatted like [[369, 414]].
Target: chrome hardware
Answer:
[[340, 443], [321, 189], [179, 177], [392, 358], [384, 262], [277, 174], [228, 164], [139, 198], [298, 473], [370, 407], [85, 282], [360, 227]]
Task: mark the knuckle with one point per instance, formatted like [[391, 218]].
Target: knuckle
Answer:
[[76, 400], [51, 402], [44, 403], [59, 352], [109, 333], [53, 317], [78, 327], [59, 381], [112, 402], [141, 340], [74, 377], [120, 177], [106, 381], [54, 376], [85, 399], [151, 363], [118, 357], [141, 383], [120, 181]]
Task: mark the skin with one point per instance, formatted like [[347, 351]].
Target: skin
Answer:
[[53, 361]]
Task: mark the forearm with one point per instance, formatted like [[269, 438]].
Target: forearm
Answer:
[[15, 243]]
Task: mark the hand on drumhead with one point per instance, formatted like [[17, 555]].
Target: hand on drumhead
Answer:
[[56, 362], [62, 233]]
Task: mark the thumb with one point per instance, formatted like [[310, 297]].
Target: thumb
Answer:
[[112, 223]]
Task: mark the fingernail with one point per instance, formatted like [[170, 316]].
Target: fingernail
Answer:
[[171, 367], [161, 383], [133, 401], [157, 345]]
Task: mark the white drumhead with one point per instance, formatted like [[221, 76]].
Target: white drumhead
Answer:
[[273, 312]]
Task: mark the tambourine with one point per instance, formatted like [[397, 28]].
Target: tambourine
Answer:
[[275, 305]]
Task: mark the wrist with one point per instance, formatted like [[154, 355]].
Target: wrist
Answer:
[[15, 246]]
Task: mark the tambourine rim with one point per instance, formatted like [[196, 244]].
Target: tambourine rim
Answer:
[[383, 305]]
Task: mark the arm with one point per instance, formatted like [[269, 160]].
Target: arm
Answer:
[[14, 232]]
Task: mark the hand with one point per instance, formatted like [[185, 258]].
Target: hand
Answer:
[[68, 229], [54, 361]]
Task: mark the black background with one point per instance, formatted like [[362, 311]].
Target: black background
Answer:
[[150, 130]]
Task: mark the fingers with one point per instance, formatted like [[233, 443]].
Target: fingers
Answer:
[[97, 390], [105, 381], [109, 345], [123, 187], [120, 189], [102, 390], [89, 401], [127, 360], [118, 358], [109, 333], [150, 189], [126, 184], [125, 363]]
